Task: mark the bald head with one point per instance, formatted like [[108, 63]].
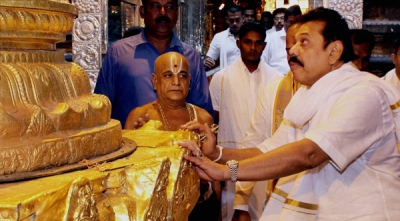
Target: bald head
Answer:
[[171, 62], [171, 76]]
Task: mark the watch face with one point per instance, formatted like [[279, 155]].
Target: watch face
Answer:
[[232, 162]]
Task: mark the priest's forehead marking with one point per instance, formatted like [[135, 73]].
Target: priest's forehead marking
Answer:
[[176, 64]]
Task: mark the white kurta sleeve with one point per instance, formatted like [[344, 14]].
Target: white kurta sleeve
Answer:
[[215, 89]]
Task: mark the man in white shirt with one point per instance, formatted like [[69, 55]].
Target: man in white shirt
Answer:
[[278, 16], [393, 76], [235, 90], [223, 45], [333, 159], [265, 121], [275, 52]]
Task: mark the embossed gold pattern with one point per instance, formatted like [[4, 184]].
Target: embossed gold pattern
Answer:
[[154, 183], [48, 115], [31, 24]]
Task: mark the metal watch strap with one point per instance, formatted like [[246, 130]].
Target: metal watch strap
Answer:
[[233, 168]]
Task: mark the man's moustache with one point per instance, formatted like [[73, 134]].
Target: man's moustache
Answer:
[[163, 19], [295, 60]]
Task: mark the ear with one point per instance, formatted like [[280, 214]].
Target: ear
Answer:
[[154, 81], [238, 43], [141, 11], [393, 58], [335, 50]]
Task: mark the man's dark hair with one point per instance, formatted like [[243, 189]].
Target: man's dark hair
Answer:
[[249, 7], [266, 14], [362, 36], [132, 31], [252, 26], [270, 22], [233, 9], [278, 11], [336, 29], [292, 10], [396, 46]]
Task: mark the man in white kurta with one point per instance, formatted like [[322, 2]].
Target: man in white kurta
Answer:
[[393, 76], [234, 92], [275, 51], [264, 122]]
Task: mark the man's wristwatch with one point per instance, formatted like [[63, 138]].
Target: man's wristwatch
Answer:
[[233, 167]]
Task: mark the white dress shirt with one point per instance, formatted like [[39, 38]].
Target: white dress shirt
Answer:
[[223, 46], [274, 53]]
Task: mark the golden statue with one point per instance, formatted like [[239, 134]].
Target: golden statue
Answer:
[[47, 111]]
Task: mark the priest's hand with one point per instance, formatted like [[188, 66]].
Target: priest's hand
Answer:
[[207, 138], [138, 123]]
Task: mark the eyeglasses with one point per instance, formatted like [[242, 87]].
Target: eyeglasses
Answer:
[[249, 15], [279, 18], [157, 7], [233, 20]]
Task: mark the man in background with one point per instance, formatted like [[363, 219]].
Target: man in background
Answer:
[[267, 117], [235, 91], [278, 16], [125, 77], [275, 52], [249, 14], [223, 45], [393, 76], [266, 20], [363, 42]]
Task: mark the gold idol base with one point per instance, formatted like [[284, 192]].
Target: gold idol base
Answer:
[[153, 183]]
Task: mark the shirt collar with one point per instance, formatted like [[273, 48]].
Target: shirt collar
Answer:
[[175, 42], [229, 33], [282, 33], [242, 66]]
